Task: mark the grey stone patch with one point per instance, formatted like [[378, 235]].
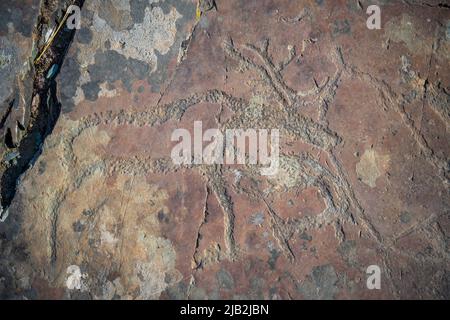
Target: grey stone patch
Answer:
[[257, 285], [348, 251], [168, 278], [225, 280], [257, 218], [68, 84], [405, 217], [274, 254], [410, 96], [116, 13], [321, 284], [7, 54], [20, 16], [341, 27], [9, 66], [354, 5], [84, 36], [187, 12], [305, 236], [204, 23], [137, 9], [91, 90], [177, 292], [162, 217], [78, 226], [111, 66]]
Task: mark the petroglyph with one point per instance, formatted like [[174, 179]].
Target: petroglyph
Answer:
[[111, 202], [303, 171]]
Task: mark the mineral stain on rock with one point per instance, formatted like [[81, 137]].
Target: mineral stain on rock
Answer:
[[407, 32], [126, 41], [225, 279], [371, 166], [321, 284]]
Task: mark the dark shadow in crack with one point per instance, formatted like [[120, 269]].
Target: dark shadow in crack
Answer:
[[43, 116]]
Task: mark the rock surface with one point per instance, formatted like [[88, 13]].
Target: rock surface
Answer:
[[363, 177], [18, 19]]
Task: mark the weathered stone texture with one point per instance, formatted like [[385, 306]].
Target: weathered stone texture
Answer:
[[18, 19], [364, 160]]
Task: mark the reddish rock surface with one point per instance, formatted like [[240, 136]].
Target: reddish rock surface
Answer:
[[363, 177]]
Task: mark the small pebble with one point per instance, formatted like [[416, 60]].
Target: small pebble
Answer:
[[52, 71], [11, 156]]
